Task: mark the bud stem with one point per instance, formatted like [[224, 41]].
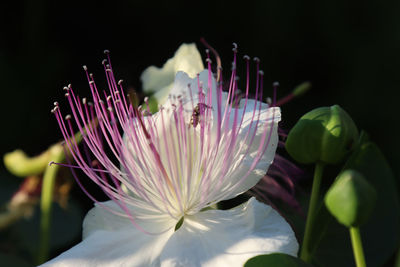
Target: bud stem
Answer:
[[305, 254], [49, 178], [357, 246]]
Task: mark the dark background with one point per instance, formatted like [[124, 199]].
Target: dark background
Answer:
[[349, 50]]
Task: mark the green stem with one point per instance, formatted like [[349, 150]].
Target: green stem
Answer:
[[46, 200], [357, 246], [305, 254]]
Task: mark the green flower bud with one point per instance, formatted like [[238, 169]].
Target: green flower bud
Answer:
[[325, 134], [19, 164], [351, 199]]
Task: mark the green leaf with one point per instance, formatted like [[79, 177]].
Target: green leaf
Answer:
[[276, 260], [380, 235]]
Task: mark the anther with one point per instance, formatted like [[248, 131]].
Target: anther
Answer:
[[120, 81], [110, 109], [268, 100], [108, 98], [246, 57], [55, 103], [68, 117], [84, 67], [65, 88], [207, 51], [84, 100], [275, 84], [104, 61], [69, 86], [91, 82], [235, 46], [208, 60], [101, 101], [66, 95], [146, 99], [256, 59], [91, 75], [106, 51], [261, 72]]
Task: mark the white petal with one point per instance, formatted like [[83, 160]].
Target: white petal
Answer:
[[268, 116], [160, 80], [186, 86], [99, 218], [111, 240], [229, 238]]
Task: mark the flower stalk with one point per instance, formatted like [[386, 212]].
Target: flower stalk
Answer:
[[357, 246], [305, 254], [46, 200]]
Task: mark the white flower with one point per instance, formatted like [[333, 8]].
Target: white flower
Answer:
[[160, 80], [203, 146]]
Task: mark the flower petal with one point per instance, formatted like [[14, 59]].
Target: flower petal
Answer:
[[230, 237], [160, 80], [268, 117], [99, 218], [111, 240]]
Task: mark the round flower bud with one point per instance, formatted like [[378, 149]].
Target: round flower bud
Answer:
[[325, 134], [351, 199]]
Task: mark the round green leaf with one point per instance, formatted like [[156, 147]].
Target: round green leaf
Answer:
[[276, 260]]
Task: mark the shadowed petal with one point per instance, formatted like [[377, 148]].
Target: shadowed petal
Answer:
[[111, 240], [230, 237]]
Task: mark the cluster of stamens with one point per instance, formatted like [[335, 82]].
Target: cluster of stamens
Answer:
[[174, 162]]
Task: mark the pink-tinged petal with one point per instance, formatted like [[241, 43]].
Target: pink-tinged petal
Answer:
[[230, 237], [264, 130]]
